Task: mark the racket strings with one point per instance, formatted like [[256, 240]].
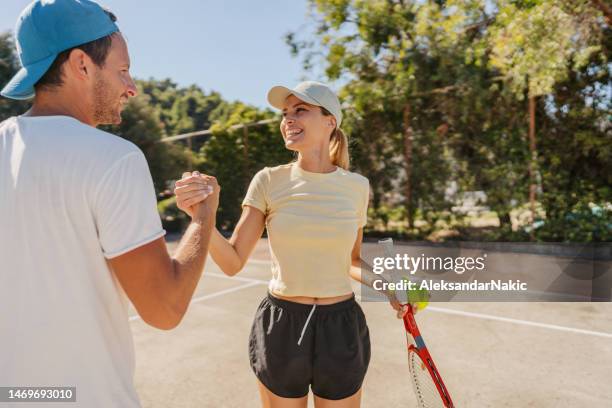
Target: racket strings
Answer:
[[424, 386]]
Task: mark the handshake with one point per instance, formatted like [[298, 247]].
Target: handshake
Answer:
[[198, 195]]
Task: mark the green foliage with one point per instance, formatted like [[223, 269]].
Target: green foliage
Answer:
[[435, 107], [233, 156], [141, 125], [534, 46], [9, 65], [583, 223], [173, 219], [460, 69], [182, 110]]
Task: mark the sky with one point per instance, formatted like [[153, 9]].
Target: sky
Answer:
[[235, 48]]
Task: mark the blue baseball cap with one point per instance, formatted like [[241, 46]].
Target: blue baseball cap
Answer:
[[47, 27]]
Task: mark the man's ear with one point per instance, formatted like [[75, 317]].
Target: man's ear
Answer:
[[79, 65]]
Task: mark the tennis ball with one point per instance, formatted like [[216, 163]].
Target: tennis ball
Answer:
[[419, 297]]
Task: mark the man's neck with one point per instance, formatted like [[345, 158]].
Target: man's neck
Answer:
[[47, 104]]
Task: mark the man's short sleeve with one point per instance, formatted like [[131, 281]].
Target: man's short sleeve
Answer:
[[125, 208], [256, 195]]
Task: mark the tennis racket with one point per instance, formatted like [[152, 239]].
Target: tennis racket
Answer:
[[426, 380], [428, 386]]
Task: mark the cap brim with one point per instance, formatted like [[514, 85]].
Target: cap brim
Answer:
[[21, 86], [278, 94]]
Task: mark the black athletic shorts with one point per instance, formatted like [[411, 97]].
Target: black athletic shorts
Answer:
[[293, 346]]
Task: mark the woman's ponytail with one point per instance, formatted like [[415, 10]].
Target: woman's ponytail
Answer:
[[338, 149], [338, 146]]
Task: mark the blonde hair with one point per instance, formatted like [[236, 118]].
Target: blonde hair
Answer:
[[338, 146], [338, 149]]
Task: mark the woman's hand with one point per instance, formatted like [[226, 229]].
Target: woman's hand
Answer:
[[395, 304], [399, 307], [197, 192]]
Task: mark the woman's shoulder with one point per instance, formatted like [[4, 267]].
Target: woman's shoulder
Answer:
[[267, 174], [355, 177], [283, 172], [283, 168]]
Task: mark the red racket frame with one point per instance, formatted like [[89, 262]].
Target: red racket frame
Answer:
[[421, 350]]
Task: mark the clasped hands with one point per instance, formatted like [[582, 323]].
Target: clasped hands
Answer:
[[197, 194]]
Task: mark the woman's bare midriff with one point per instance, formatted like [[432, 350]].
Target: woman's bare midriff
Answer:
[[307, 300]]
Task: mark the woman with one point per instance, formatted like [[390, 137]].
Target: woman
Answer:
[[309, 331]]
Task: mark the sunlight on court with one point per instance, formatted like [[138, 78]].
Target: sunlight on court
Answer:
[[490, 354]]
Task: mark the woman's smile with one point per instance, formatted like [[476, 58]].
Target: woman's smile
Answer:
[[293, 134]]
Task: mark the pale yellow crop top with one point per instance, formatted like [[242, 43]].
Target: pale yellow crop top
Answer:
[[312, 221]]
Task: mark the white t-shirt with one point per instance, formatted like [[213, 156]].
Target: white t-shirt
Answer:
[[71, 196]]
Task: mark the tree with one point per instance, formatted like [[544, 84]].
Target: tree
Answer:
[[141, 125], [181, 110], [435, 89], [233, 156], [404, 63], [533, 43], [9, 65]]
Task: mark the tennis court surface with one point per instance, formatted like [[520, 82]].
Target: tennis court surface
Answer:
[[489, 354]]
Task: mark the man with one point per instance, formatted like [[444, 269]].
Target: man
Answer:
[[79, 227]]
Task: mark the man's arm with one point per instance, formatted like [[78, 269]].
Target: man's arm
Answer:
[[161, 287], [230, 255]]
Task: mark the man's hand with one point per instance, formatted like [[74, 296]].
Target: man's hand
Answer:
[[161, 287], [197, 194]]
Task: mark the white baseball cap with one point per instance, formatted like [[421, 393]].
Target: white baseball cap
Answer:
[[314, 93]]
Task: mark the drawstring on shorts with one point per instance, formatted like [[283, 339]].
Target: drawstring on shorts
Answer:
[[306, 324]]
